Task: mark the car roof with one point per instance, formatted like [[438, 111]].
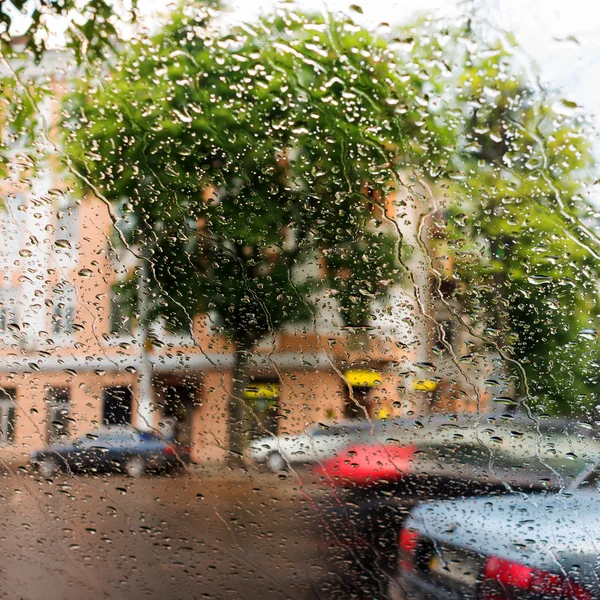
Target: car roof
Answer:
[[113, 430]]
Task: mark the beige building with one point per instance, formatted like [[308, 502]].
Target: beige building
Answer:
[[71, 361], [68, 367]]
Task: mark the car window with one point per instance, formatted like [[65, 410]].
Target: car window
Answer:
[[148, 436], [321, 433], [299, 299], [587, 479]]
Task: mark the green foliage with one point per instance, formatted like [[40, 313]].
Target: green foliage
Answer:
[[248, 157], [19, 110], [89, 32], [356, 273], [520, 222], [90, 28]]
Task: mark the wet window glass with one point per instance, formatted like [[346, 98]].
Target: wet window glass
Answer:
[[299, 299]]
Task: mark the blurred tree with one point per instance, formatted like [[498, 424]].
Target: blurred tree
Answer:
[[254, 163], [253, 153], [521, 221], [89, 28], [49, 32]]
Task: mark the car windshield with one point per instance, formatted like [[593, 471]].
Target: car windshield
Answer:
[[278, 275], [588, 478]]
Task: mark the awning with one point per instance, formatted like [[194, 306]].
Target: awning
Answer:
[[262, 390], [363, 378], [425, 385]]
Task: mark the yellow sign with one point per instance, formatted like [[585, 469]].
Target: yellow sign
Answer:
[[262, 390], [425, 385], [363, 378], [384, 413]]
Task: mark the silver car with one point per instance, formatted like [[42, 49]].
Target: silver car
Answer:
[[318, 442], [516, 546]]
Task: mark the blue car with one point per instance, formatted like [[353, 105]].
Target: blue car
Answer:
[[121, 449]]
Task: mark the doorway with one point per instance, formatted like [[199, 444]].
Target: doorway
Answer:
[[116, 405], [358, 402], [177, 409]]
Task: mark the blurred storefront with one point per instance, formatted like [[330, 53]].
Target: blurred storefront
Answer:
[[72, 359]]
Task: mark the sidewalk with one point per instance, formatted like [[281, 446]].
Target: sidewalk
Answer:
[[292, 482]]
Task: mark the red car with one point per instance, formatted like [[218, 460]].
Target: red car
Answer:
[[368, 464]]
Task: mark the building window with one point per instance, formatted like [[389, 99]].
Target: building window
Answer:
[[9, 316], [67, 228], [12, 223], [58, 400], [121, 309], [63, 310], [8, 401]]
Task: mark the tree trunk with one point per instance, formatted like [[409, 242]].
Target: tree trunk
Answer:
[[499, 249], [236, 406], [145, 392]]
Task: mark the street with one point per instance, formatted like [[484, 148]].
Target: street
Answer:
[[200, 534]]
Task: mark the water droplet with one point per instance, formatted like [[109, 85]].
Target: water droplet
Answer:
[[588, 334], [539, 279]]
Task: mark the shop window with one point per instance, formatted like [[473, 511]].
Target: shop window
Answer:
[[8, 399], [262, 408], [58, 400], [116, 405], [359, 403]]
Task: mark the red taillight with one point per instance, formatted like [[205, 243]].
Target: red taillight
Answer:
[[408, 545], [169, 451], [508, 573], [518, 576]]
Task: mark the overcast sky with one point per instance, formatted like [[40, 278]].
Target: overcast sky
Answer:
[[561, 36]]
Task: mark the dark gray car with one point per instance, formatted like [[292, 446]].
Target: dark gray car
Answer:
[[516, 546], [120, 449]]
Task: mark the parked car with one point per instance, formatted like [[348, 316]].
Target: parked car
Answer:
[[514, 546], [375, 485], [122, 449], [318, 442]]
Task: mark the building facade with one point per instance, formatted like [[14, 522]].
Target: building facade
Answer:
[[72, 360]]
